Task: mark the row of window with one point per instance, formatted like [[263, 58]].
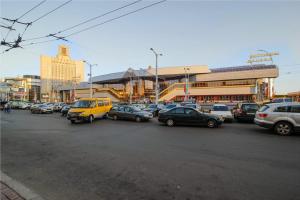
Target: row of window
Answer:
[[292, 109]]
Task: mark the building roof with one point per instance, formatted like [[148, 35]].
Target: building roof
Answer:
[[169, 72], [242, 68]]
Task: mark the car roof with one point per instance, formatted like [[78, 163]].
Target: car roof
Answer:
[[283, 104]]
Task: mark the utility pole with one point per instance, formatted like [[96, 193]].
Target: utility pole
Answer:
[[187, 78], [90, 74], [156, 75]]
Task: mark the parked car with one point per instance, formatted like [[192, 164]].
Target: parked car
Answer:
[[129, 113], [154, 109], [58, 106], [245, 111], [188, 116], [40, 109], [64, 111], [223, 111], [193, 105], [283, 118], [88, 109], [24, 106]]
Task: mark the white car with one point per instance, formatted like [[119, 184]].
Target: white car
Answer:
[[223, 111]]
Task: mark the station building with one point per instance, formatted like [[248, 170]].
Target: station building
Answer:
[[200, 83]]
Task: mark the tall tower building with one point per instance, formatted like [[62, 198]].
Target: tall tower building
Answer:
[[57, 72]]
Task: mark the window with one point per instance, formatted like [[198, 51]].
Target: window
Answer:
[[281, 109], [121, 109], [295, 109], [190, 112], [179, 110], [100, 103], [128, 109]]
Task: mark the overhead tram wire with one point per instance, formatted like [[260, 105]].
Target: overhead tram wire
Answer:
[[110, 20], [84, 22], [16, 20], [51, 11], [96, 25]]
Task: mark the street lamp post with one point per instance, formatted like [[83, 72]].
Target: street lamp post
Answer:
[[156, 75], [187, 79], [90, 74]]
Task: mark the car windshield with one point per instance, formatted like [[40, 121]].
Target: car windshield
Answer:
[[220, 108], [264, 108], [250, 107], [82, 104]]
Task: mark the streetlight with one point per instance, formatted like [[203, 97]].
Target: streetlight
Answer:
[[156, 76], [130, 70], [187, 79], [90, 74]]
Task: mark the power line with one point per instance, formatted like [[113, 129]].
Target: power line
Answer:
[[110, 20], [84, 22], [51, 11], [32, 9], [17, 20], [107, 21]]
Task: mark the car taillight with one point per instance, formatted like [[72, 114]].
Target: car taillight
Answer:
[[263, 115]]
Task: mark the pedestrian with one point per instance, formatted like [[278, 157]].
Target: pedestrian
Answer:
[[5, 107]]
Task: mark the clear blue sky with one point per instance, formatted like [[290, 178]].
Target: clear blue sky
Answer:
[[217, 34]]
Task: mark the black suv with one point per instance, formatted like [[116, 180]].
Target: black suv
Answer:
[[245, 111]]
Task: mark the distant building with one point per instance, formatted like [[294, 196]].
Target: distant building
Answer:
[[34, 87], [204, 85], [57, 72], [294, 95]]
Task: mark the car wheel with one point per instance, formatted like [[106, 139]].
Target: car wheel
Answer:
[[211, 123], [170, 122], [283, 128], [137, 119], [115, 117], [91, 118]]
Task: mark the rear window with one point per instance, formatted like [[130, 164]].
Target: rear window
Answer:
[[250, 107], [220, 108], [264, 108]]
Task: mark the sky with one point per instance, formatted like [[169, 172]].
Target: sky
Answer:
[[213, 33]]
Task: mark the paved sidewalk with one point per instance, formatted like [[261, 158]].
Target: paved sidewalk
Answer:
[[13, 190], [9, 194]]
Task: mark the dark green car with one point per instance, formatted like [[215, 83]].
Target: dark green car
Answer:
[[188, 116], [127, 112]]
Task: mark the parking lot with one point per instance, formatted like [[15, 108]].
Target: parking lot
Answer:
[[128, 160]]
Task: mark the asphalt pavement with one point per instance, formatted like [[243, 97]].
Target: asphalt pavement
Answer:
[[114, 160]]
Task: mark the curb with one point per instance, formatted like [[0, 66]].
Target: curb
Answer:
[[23, 191]]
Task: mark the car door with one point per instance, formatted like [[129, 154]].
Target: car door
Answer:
[[191, 116], [120, 113], [295, 115], [179, 116], [128, 114]]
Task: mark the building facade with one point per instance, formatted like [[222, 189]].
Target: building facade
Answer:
[[23, 88], [59, 71], [199, 83]]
